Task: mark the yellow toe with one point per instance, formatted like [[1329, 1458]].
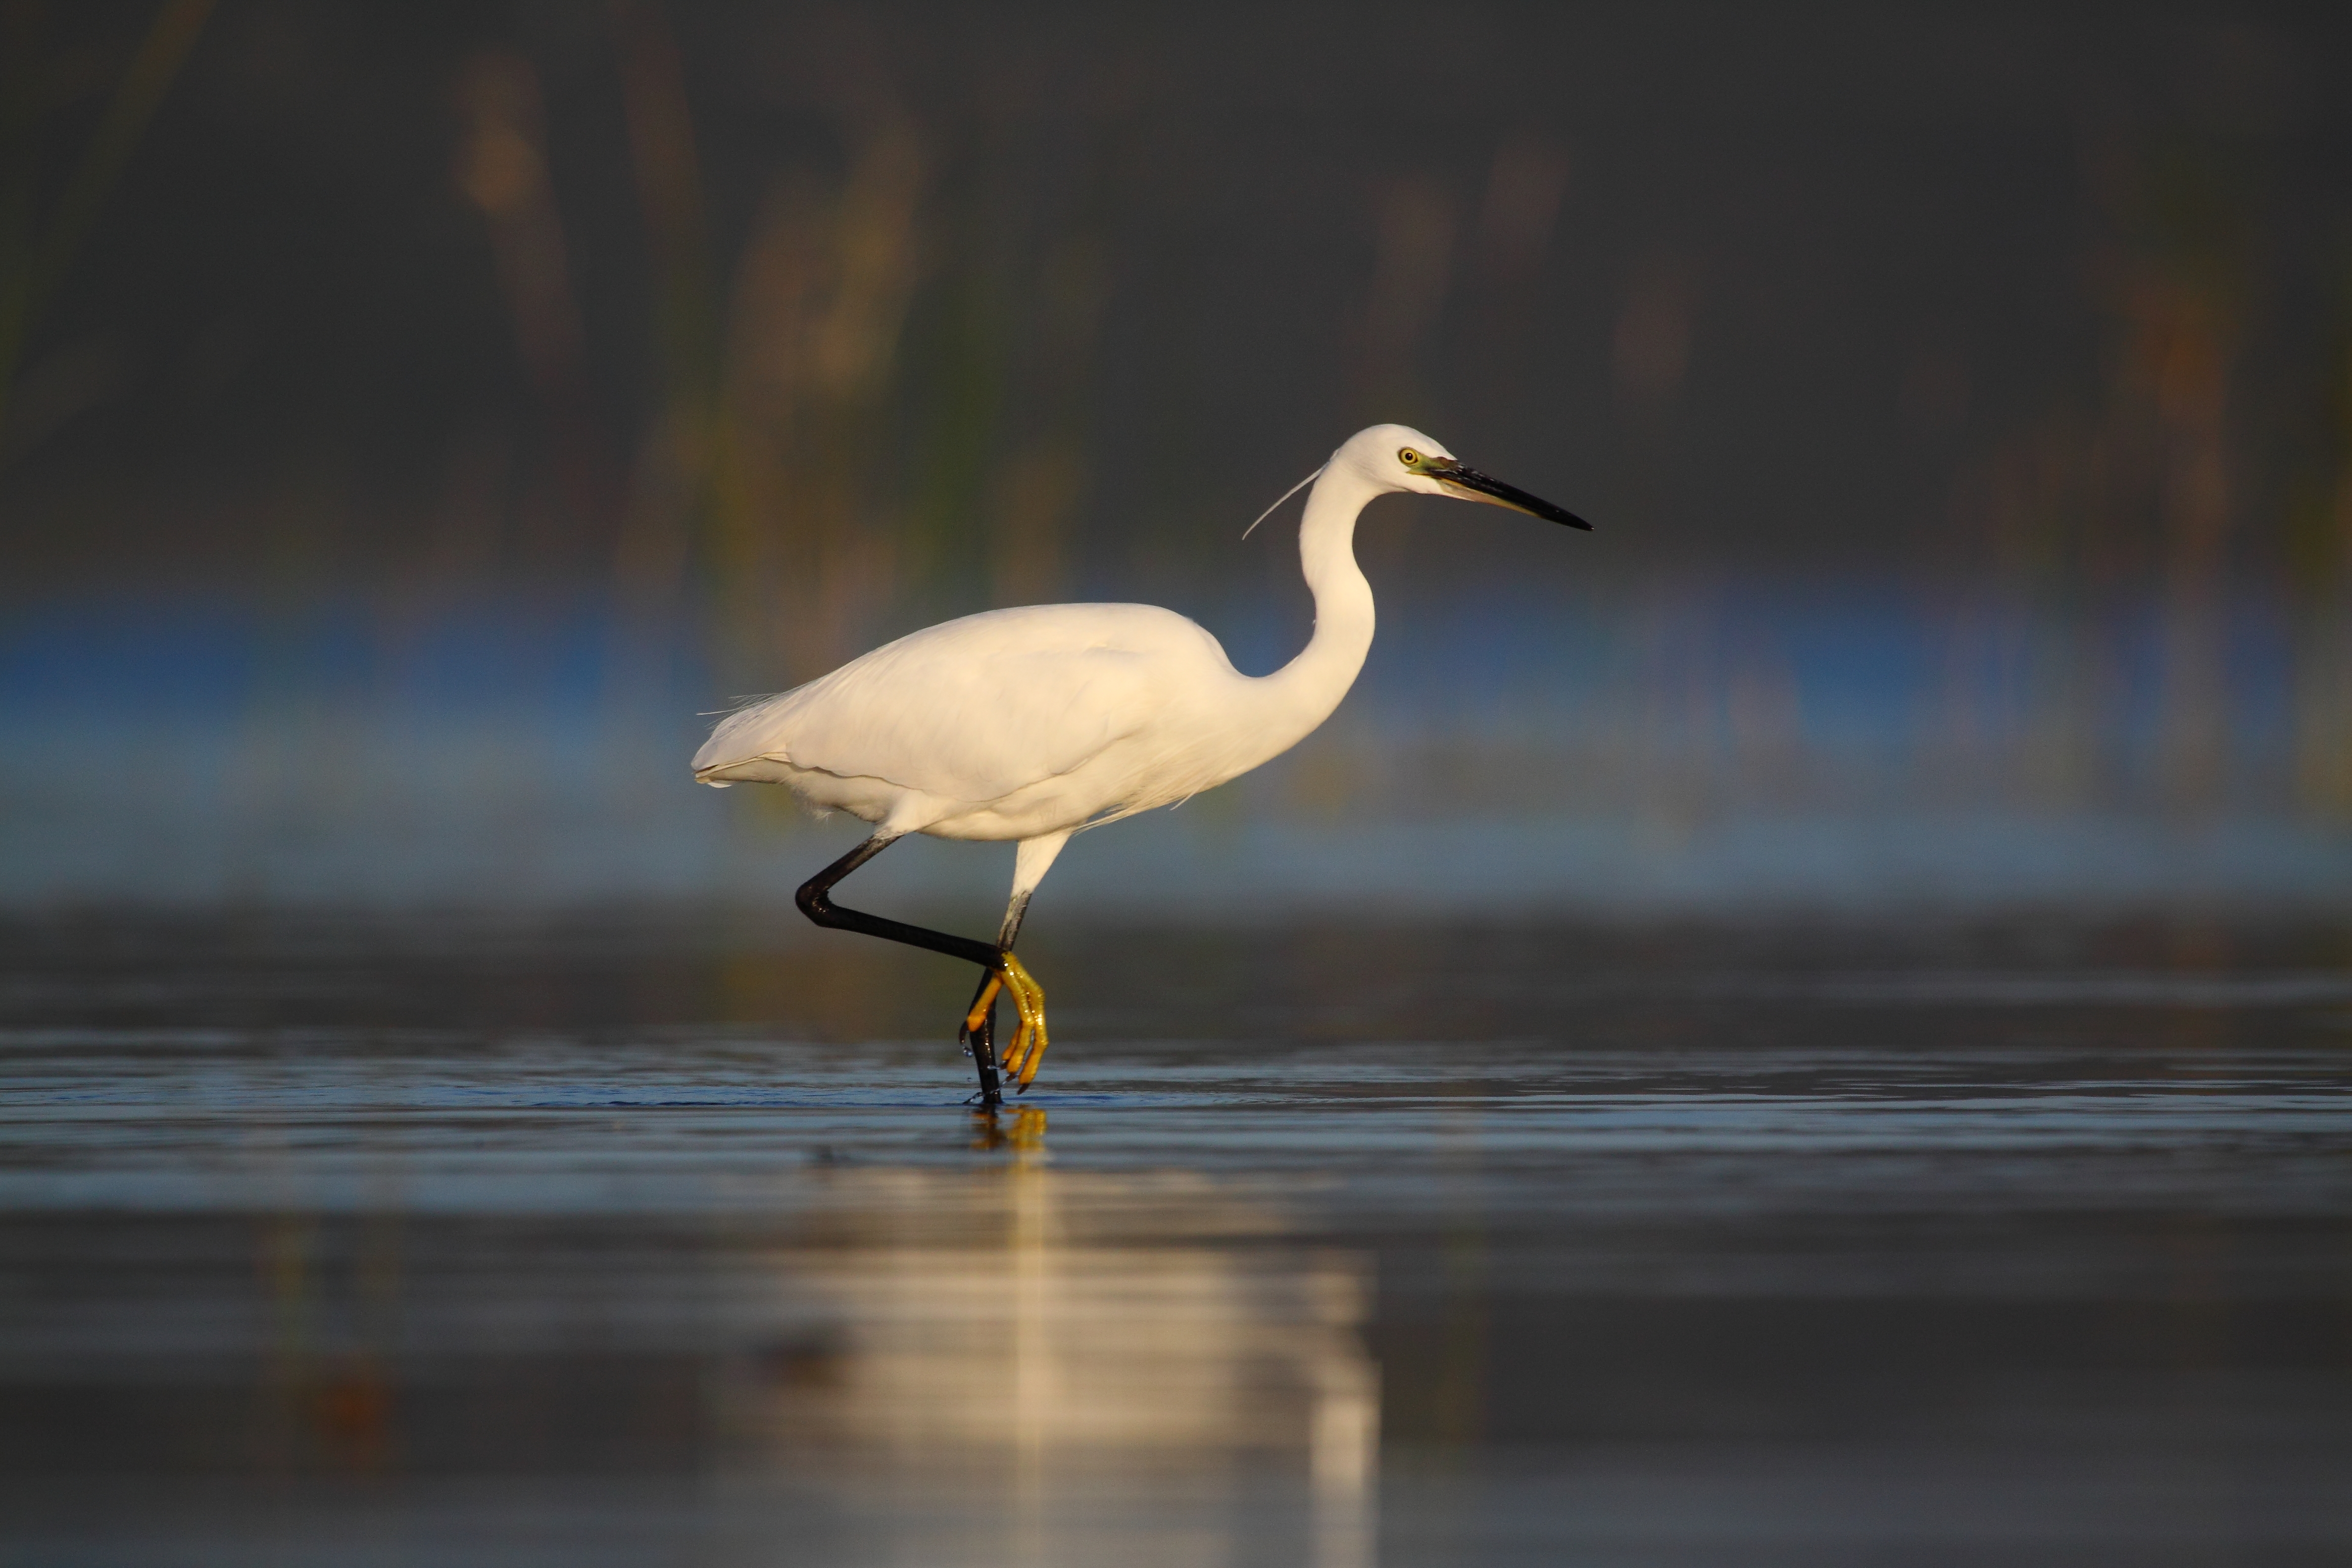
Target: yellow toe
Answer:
[[1030, 1045]]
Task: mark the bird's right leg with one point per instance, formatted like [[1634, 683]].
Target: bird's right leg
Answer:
[[1028, 997], [1029, 868], [977, 1034], [815, 901], [979, 1018]]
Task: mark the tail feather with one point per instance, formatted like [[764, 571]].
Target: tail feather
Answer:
[[736, 746]]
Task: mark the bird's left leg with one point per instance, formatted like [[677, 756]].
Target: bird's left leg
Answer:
[[814, 898]]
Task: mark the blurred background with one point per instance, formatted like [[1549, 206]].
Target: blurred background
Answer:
[[418, 417], [1863, 1081]]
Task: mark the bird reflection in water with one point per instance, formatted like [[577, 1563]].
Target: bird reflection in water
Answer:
[[1024, 1132], [1044, 1346]]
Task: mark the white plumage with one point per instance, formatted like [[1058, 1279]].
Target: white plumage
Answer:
[[1030, 724], [1003, 725]]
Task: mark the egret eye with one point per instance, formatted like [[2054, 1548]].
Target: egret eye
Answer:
[[1409, 457]]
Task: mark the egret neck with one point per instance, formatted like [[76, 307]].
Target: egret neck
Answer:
[[1302, 694], [1030, 724]]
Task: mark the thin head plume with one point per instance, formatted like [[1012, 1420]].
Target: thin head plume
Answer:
[[1286, 496]]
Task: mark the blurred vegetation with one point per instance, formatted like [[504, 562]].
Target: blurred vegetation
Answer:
[[2319, 515], [40, 237], [801, 326]]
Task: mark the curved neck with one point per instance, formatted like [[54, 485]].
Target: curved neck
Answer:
[[1309, 687]]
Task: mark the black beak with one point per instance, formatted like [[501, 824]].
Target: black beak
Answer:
[[1471, 485]]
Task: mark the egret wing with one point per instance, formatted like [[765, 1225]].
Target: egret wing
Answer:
[[975, 709]]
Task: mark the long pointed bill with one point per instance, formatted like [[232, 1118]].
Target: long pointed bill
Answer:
[[1468, 483]]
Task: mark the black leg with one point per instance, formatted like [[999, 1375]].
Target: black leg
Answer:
[[1009, 931], [814, 903], [1005, 935], [981, 1044]]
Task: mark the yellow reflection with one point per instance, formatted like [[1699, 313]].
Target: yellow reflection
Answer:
[[1044, 1337], [1024, 1131]]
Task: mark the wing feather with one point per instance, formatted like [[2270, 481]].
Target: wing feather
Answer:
[[975, 709]]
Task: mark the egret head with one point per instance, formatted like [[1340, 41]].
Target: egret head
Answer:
[[1400, 457]]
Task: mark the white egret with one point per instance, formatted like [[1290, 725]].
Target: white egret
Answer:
[[1032, 724]]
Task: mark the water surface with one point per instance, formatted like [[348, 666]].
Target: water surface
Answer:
[[639, 1239]]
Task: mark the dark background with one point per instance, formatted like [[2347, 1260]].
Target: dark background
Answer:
[[1988, 363], [1804, 1027]]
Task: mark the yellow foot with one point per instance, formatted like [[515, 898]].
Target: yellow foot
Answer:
[[1029, 1040]]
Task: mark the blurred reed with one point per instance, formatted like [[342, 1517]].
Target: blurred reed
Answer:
[[2151, 493], [892, 366], [2320, 564], [884, 363], [43, 229]]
